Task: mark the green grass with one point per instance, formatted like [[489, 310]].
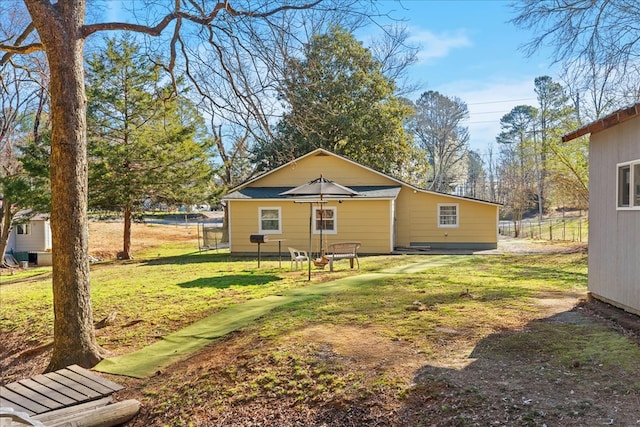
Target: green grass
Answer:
[[170, 287], [425, 308], [162, 290], [167, 288]]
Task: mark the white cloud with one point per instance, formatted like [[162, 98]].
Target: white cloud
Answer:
[[438, 45]]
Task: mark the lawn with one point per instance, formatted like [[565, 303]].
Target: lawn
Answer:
[[477, 340]]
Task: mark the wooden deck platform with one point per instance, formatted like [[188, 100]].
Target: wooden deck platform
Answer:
[[40, 396]]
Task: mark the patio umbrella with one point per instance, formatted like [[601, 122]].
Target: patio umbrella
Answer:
[[318, 188]]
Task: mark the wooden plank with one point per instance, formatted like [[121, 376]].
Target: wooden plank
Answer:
[[32, 395], [60, 388], [90, 394], [82, 380], [30, 406], [7, 404], [110, 415], [72, 410], [46, 391], [105, 382]]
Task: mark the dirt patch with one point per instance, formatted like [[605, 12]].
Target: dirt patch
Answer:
[[361, 347], [507, 379], [511, 380], [510, 245]]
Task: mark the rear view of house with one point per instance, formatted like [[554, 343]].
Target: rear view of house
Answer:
[[614, 207], [379, 211]]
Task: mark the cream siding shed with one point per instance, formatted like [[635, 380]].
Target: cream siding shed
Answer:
[[614, 231], [33, 237]]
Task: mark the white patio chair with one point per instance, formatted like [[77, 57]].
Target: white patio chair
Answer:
[[298, 256]]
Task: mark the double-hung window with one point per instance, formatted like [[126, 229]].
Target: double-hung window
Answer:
[[270, 220], [629, 185], [325, 219], [448, 215]]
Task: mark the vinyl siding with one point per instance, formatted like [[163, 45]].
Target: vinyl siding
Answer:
[[413, 216], [332, 168], [364, 221], [39, 240], [417, 219], [614, 235]]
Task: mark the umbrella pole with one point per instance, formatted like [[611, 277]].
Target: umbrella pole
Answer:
[[310, 255], [321, 251]]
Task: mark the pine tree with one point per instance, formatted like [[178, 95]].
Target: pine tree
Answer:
[[145, 142]]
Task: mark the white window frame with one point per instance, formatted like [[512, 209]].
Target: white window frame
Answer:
[[23, 229], [316, 230], [269, 231], [440, 216], [634, 185]]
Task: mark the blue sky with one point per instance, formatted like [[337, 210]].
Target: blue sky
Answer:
[[469, 50]]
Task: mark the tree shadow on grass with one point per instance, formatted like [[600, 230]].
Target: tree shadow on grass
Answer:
[[224, 282], [194, 258]]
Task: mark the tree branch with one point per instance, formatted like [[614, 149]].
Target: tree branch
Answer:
[[156, 30], [16, 47]]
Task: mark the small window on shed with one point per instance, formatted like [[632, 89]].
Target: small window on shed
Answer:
[[629, 185], [624, 186], [23, 229]]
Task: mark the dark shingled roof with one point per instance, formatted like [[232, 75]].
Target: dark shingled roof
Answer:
[[364, 192]]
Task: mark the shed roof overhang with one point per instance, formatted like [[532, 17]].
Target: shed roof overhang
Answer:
[[606, 122]]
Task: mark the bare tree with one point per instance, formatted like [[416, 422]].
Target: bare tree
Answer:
[[598, 31], [596, 41], [436, 125], [396, 54], [491, 173], [58, 28], [23, 188]]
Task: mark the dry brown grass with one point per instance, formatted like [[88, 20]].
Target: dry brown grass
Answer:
[[106, 238]]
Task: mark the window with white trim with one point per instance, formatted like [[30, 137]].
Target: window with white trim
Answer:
[[270, 220], [448, 215], [629, 185], [23, 229], [325, 219]]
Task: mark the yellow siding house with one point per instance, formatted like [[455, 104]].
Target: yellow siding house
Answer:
[[384, 215]]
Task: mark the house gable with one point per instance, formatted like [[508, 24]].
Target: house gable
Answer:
[[335, 168], [316, 163]]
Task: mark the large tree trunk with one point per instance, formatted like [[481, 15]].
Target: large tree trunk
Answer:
[[126, 244], [225, 224], [59, 26], [5, 229]]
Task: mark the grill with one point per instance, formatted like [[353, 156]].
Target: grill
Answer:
[[258, 238]]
